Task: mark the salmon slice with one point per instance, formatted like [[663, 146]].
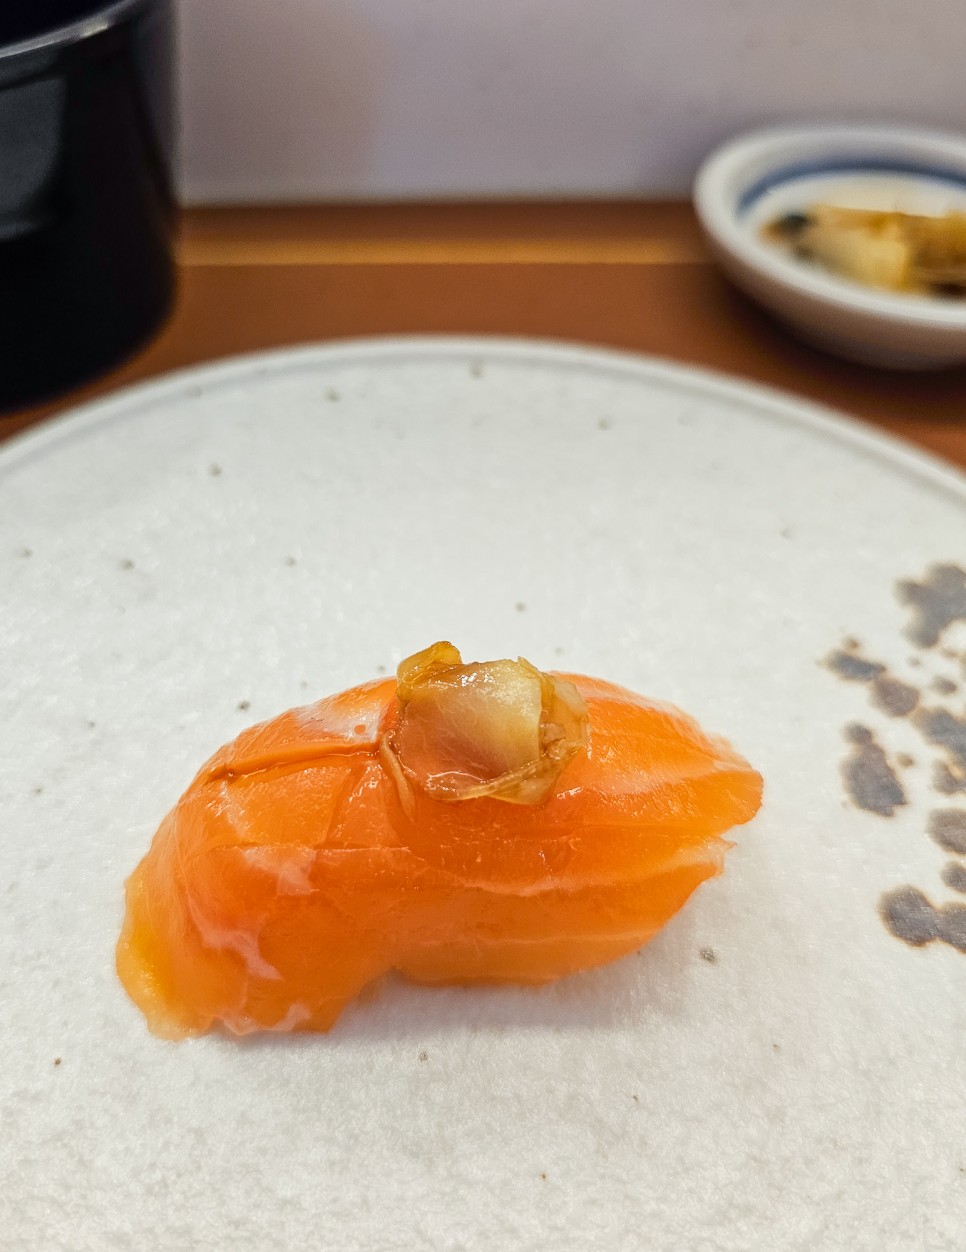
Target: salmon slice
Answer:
[[464, 823]]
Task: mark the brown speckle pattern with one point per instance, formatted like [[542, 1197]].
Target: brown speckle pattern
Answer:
[[894, 698], [911, 916], [945, 731], [937, 602], [954, 926], [936, 713], [870, 780], [947, 827], [853, 668], [945, 781], [954, 876]]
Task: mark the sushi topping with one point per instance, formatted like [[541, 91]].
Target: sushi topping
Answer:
[[500, 729]]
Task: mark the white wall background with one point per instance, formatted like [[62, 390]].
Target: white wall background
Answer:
[[373, 99]]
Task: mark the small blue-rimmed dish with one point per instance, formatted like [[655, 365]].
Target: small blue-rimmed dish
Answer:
[[767, 175]]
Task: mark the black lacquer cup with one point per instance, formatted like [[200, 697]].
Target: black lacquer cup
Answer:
[[87, 209]]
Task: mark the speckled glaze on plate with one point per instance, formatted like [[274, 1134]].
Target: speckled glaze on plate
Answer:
[[778, 1070]]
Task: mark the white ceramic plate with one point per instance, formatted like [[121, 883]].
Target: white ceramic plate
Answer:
[[275, 528]]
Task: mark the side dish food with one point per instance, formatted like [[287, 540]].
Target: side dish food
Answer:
[[894, 251]]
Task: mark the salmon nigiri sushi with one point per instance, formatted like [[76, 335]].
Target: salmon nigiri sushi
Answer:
[[464, 823]]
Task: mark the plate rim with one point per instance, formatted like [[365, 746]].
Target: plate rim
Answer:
[[772, 402], [54, 437]]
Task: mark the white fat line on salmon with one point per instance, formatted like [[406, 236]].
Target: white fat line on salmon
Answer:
[[241, 942]]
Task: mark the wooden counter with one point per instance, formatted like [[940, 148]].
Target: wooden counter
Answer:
[[626, 275]]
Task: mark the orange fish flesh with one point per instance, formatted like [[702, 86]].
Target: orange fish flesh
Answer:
[[465, 823]]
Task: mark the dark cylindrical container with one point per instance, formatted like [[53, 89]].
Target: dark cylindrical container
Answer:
[[86, 200]]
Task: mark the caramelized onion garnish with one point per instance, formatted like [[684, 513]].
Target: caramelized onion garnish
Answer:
[[500, 729]]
